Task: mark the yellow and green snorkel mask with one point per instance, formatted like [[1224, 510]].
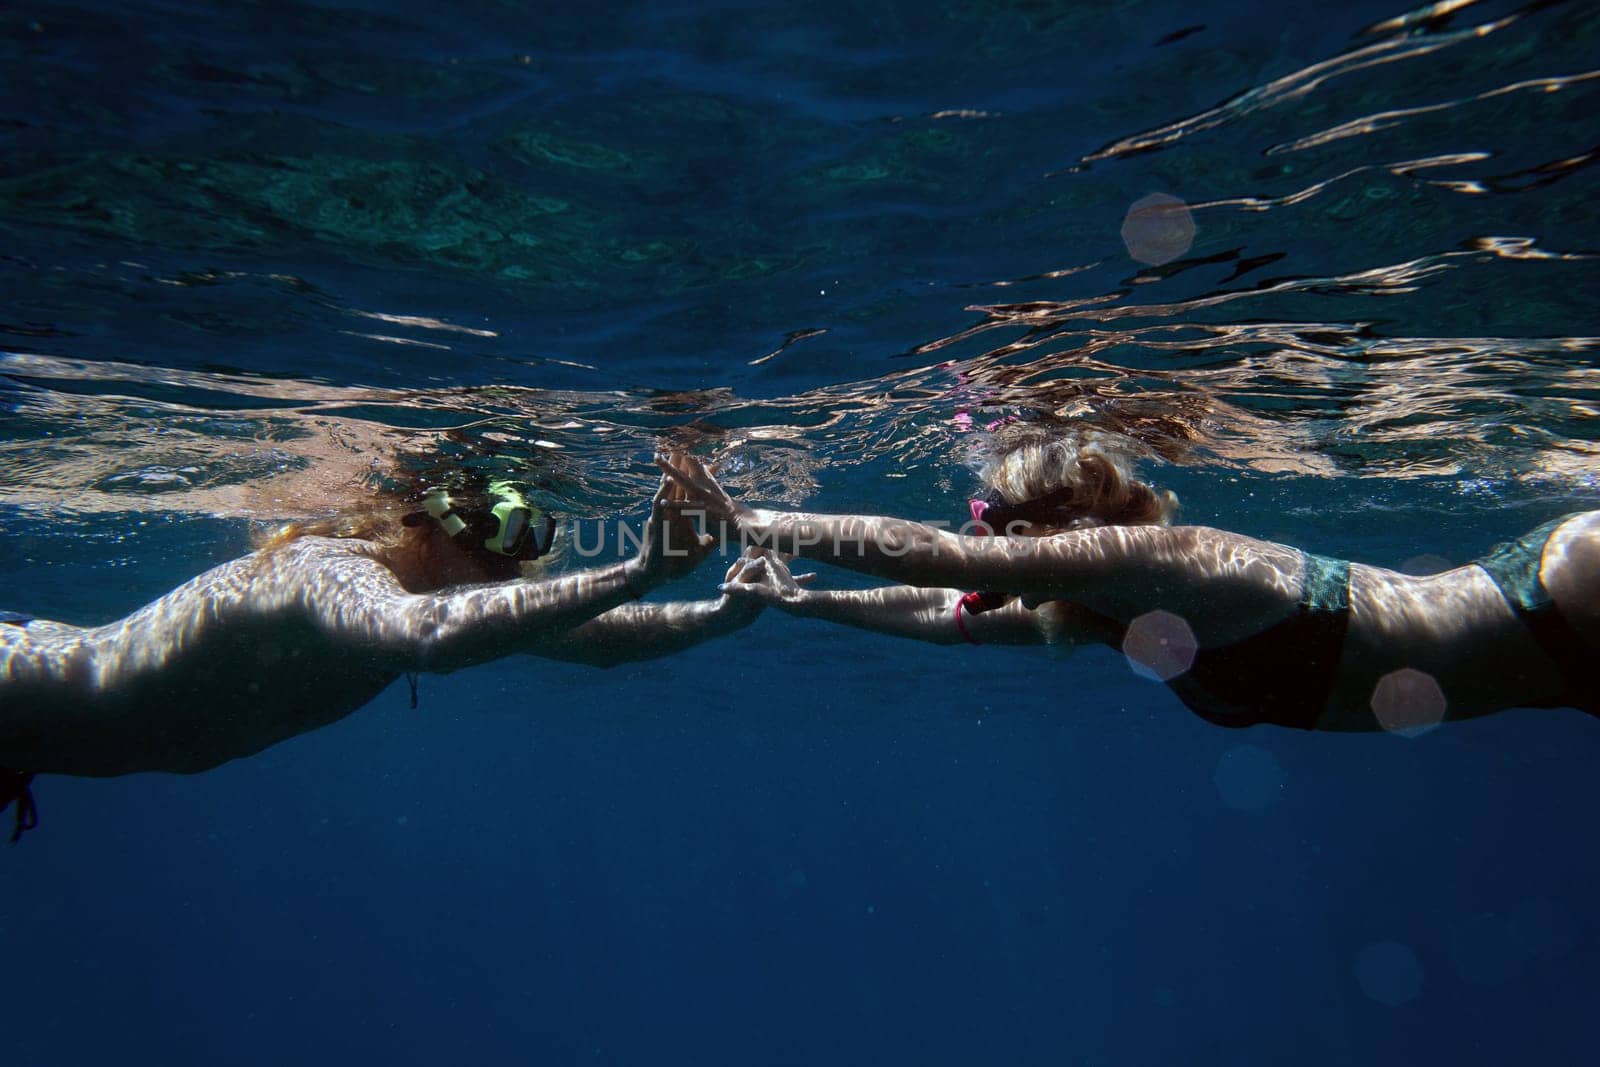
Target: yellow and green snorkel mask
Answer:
[[521, 531], [509, 526]]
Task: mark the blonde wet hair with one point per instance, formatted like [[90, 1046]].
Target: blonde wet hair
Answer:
[[1019, 463]]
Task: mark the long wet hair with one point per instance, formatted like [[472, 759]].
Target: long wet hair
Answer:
[[422, 556]]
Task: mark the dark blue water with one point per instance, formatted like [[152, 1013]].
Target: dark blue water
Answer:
[[250, 252]]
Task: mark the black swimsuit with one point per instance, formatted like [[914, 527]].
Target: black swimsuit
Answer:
[[1514, 567], [1285, 673]]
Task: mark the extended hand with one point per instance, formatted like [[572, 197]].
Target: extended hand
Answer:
[[760, 576], [672, 546], [700, 489], [744, 608]]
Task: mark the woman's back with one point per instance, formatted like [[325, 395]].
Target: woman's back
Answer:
[[222, 667]]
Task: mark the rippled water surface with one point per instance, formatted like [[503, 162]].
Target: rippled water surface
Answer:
[[1332, 266], [292, 230]]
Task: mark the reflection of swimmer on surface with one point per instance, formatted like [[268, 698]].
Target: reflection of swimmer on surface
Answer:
[[1244, 631], [307, 630]]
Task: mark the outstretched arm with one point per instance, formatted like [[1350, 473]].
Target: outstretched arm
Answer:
[[1456, 628], [636, 632], [1226, 585], [365, 607], [930, 615]]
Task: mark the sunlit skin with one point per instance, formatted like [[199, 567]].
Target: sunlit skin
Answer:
[[286, 640], [1455, 626]]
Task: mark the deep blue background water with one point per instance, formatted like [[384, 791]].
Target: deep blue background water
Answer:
[[800, 845]]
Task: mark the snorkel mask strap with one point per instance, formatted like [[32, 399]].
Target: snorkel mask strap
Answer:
[[438, 506], [1051, 509]]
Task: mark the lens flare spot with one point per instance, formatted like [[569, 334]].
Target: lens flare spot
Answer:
[[1159, 645], [1249, 778], [1158, 229], [1408, 702], [1389, 973]]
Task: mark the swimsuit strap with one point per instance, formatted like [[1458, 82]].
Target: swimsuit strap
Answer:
[[1514, 567], [1325, 586], [1316, 632]]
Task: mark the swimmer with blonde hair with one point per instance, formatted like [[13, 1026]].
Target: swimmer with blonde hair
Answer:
[[1244, 631], [319, 621]]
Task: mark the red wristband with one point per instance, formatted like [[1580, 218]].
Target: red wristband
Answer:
[[961, 623]]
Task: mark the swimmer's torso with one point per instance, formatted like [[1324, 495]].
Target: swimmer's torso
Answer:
[[222, 667]]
